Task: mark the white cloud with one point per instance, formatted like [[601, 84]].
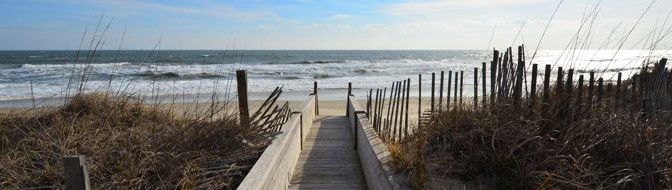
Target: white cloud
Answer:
[[331, 26], [207, 8], [283, 20], [340, 16], [433, 6]]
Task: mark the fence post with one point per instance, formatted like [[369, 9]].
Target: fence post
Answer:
[[76, 173], [483, 80], [600, 92], [500, 65], [243, 109], [520, 71], [618, 90], [533, 91], [450, 77], [559, 84], [455, 93], [609, 94], [504, 85], [396, 111], [419, 99], [390, 110], [401, 114], [461, 87], [547, 81], [368, 104], [375, 110], [570, 81], [432, 95], [408, 96], [591, 88], [518, 88], [633, 95], [579, 97], [389, 107], [475, 88], [440, 108], [380, 111], [643, 92], [383, 133], [493, 77], [317, 99]]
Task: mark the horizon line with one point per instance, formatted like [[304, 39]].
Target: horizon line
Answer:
[[308, 49]]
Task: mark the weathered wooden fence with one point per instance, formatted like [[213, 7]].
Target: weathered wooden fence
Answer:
[[510, 85]]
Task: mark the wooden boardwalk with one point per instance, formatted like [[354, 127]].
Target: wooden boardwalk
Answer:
[[328, 159]]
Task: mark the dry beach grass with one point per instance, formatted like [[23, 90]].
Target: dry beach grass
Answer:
[[127, 145], [618, 142]]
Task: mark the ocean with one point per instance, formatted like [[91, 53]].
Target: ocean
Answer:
[[192, 72]]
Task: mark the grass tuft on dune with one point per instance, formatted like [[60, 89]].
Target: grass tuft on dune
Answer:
[[620, 142], [127, 144]]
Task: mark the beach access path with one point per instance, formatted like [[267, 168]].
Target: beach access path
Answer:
[[328, 159]]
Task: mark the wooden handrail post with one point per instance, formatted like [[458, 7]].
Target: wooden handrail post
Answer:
[[243, 109], [347, 107], [357, 126], [300, 126], [76, 173]]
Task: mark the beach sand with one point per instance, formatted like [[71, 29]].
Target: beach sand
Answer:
[[327, 107]]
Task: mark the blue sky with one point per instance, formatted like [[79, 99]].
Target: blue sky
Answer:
[[327, 24]]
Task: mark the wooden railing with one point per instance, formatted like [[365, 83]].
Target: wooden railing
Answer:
[[275, 167], [373, 153]]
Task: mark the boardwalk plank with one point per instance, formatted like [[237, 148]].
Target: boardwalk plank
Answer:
[[328, 159]]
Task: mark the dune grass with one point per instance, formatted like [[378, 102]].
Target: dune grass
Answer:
[[127, 144], [619, 141]]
